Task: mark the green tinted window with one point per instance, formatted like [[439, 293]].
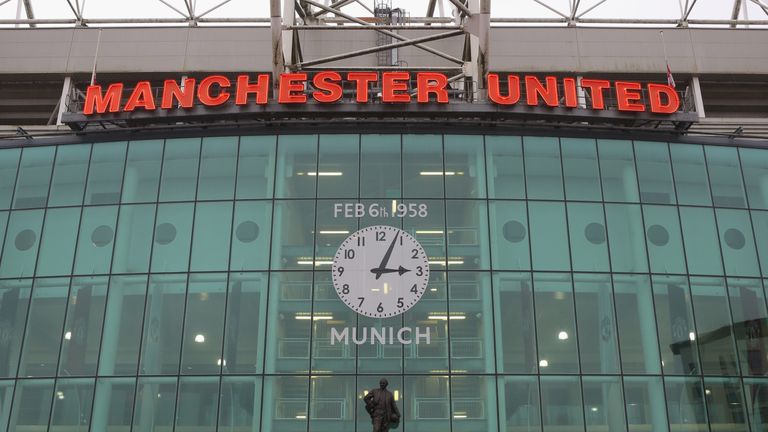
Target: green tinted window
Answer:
[[181, 163], [33, 178], [700, 237], [509, 247], [297, 166], [105, 175], [9, 163], [423, 174], [57, 245], [664, 239], [690, 171], [617, 169], [543, 170], [338, 162], [69, 173], [737, 242], [133, 241], [256, 167], [626, 239], [96, 240], [142, 171], [464, 166], [506, 175], [754, 163], [380, 164], [725, 177], [581, 169], [22, 240], [173, 234], [549, 236], [218, 164], [589, 246], [211, 239], [654, 171]]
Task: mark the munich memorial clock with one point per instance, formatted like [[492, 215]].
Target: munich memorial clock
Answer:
[[380, 271]]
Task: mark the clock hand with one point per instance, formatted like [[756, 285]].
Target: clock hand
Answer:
[[379, 270], [401, 270]]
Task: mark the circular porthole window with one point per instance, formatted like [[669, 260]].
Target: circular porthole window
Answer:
[[658, 235], [514, 231], [25, 240], [165, 233], [247, 231], [102, 235], [734, 238], [595, 233]]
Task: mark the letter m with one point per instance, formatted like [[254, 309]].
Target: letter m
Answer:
[[108, 102], [342, 337]]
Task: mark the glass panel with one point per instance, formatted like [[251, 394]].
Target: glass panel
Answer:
[[181, 163], [211, 239], [690, 171], [240, 403], [113, 404], [105, 176], [332, 403], [122, 326], [69, 173], [383, 359], [155, 404], [423, 172], [737, 242], [750, 328], [338, 162], [725, 404], [82, 328], [654, 171], [429, 231], [471, 327], [173, 233], [256, 167], [519, 404], [754, 163], [646, 410], [142, 171], [700, 236], [664, 239], [133, 242], [246, 323], [638, 342], [474, 403], [714, 330], [603, 404], [617, 168], [428, 313], [286, 408], [57, 245], [330, 231], [218, 165], [543, 168], [198, 406], [14, 301], [43, 335], [72, 404], [9, 163], [94, 246], [589, 249], [760, 222], [581, 170], [380, 163], [204, 324], [467, 223], [21, 243], [163, 321], [32, 406], [289, 322], [33, 178], [506, 175], [626, 238], [250, 245], [510, 249], [549, 236], [674, 320], [596, 320], [555, 323], [330, 314], [464, 166], [293, 235], [425, 405], [6, 399], [685, 404], [757, 395], [725, 177], [513, 312], [561, 404], [297, 166]]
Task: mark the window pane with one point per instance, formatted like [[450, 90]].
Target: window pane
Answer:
[[430, 410], [105, 176], [757, 389], [637, 334], [549, 236], [33, 178], [737, 242], [581, 170], [69, 174], [513, 312], [338, 161], [163, 320], [589, 249], [122, 326], [754, 163], [293, 235], [429, 231], [133, 242], [509, 235], [204, 324], [506, 177], [644, 398], [218, 165], [246, 323], [625, 238], [296, 166], [423, 358], [748, 309], [9, 163], [142, 171], [44, 323], [380, 163], [181, 163], [604, 404], [691, 179], [155, 404], [714, 330], [113, 404], [72, 404], [555, 323], [82, 327], [94, 247], [543, 170], [327, 355], [198, 405], [14, 301], [700, 236], [464, 166], [467, 223], [6, 398], [561, 404], [289, 322], [664, 240], [330, 231], [674, 320], [287, 402], [685, 404], [57, 246], [725, 403], [173, 233], [654, 171], [332, 404], [596, 319], [760, 222], [725, 177], [250, 245], [519, 406], [32, 405], [240, 403], [423, 166], [471, 325], [213, 227], [256, 167], [21, 243], [617, 167], [474, 403]]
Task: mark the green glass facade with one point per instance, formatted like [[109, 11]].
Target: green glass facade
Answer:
[[576, 284]]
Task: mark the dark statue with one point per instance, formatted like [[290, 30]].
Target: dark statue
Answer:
[[380, 404]]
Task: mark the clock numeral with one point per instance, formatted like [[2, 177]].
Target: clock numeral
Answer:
[[415, 253], [362, 299], [361, 241], [400, 302], [349, 254], [345, 289], [380, 308], [419, 271], [414, 289], [381, 236], [340, 270]]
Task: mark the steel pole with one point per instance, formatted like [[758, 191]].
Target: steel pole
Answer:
[[275, 22]]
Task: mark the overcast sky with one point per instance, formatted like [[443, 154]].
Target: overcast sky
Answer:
[[704, 9]]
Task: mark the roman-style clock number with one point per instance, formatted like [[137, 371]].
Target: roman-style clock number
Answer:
[[380, 271]]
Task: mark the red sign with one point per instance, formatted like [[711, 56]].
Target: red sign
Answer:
[[327, 87]]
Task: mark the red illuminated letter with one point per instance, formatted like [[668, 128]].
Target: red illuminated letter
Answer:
[[185, 96], [571, 97], [657, 105], [626, 94], [95, 102], [596, 88], [290, 83], [494, 89], [244, 88], [362, 79], [328, 83], [141, 97], [392, 86], [534, 89], [431, 82], [204, 90]]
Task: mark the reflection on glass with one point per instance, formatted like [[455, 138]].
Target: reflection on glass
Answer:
[[504, 157], [113, 404], [423, 173], [32, 407], [757, 402], [509, 246], [581, 169], [464, 166], [293, 235], [245, 320], [155, 404], [737, 242], [69, 173], [250, 236], [725, 177], [725, 404], [40, 354], [173, 234], [430, 312], [72, 403], [467, 223], [105, 175], [133, 241], [678, 339], [596, 320], [338, 162], [33, 177], [519, 404], [685, 404], [240, 403], [96, 240], [654, 171], [471, 322], [555, 323], [121, 335], [586, 228], [181, 162], [561, 403], [634, 312], [285, 406], [715, 332], [163, 320], [142, 171], [204, 324], [617, 169], [626, 238], [198, 405], [750, 324], [664, 239], [702, 249], [543, 170], [380, 162], [514, 315], [297, 172], [218, 165], [644, 399], [690, 171], [256, 167], [289, 322], [603, 403], [82, 327], [14, 301]]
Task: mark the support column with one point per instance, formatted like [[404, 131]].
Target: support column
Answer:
[[276, 23], [697, 98]]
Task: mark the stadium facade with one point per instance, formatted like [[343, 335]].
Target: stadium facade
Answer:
[[170, 255]]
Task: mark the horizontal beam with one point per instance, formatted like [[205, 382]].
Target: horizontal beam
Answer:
[[378, 27]]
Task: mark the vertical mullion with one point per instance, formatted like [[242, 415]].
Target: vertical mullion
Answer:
[[312, 284]]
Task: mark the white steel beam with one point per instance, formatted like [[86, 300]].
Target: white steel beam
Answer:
[[276, 22]]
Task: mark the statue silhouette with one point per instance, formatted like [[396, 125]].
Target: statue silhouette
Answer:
[[380, 404]]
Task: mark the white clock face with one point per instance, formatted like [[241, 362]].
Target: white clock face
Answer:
[[380, 271]]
